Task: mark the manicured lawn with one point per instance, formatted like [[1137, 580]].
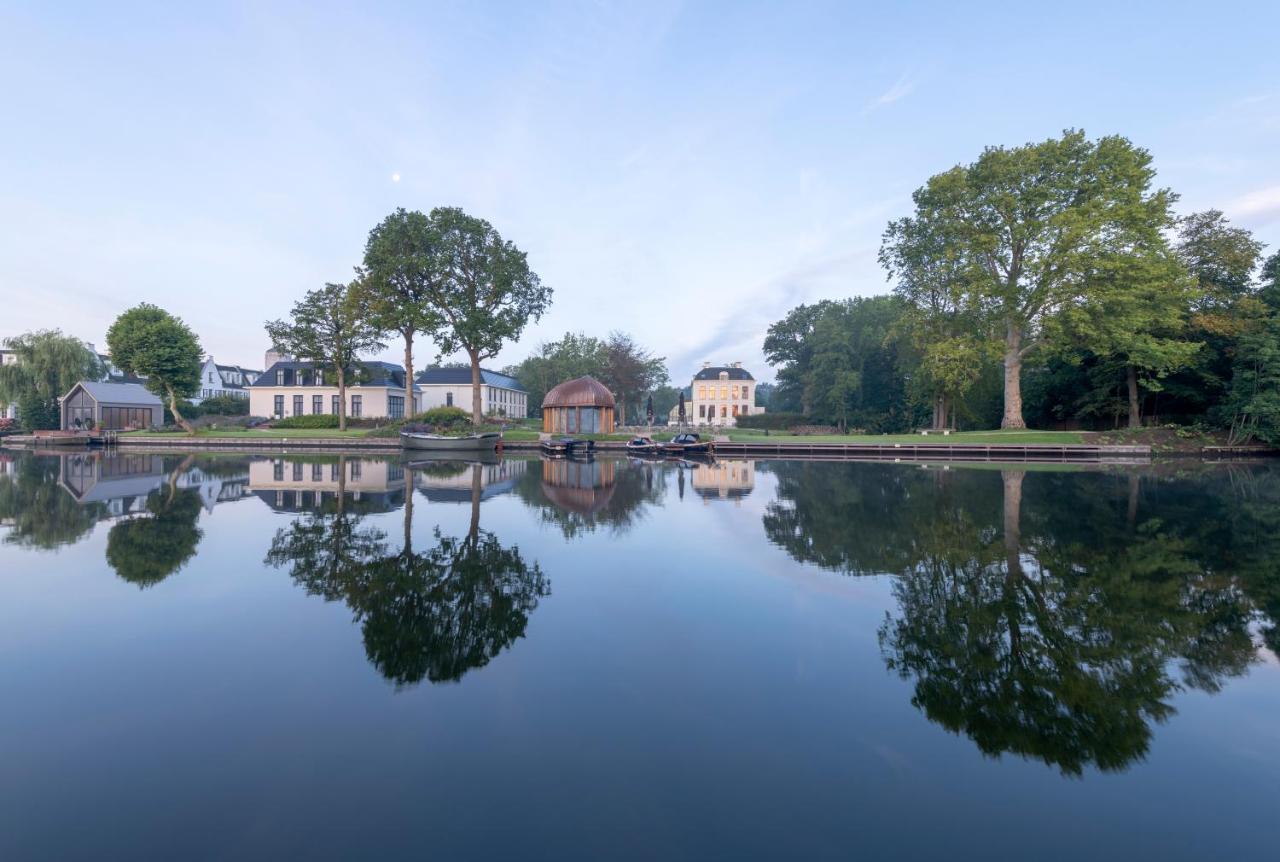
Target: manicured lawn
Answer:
[[977, 437], [295, 433]]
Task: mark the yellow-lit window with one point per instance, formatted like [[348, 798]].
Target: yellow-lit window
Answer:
[[724, 394], [702, 393], [735, 393]]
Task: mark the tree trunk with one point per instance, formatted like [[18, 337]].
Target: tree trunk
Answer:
[[342, 399], [477, 411], [1135, 486], [407, 550], [1013, 379], [408, 373], [1135, 413], [173, 408], [342, 484]]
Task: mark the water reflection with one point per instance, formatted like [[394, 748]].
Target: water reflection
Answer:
[[434, 613], [579, 497], [1052, 619]]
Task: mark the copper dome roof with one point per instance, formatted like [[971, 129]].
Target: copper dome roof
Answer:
[[583, 392]]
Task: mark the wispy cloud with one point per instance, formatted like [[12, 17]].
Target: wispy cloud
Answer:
[[1262, 205], [900, 90]]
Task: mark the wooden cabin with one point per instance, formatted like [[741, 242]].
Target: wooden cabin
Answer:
[[581, 406]]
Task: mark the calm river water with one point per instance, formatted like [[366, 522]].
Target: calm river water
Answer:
[[322, 657]]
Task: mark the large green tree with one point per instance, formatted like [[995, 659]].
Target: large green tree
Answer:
[[152, 343], [329, 327], [48, 365], [631, 372], [574, 355], [486, 293], [1029, 222], [400, 282]]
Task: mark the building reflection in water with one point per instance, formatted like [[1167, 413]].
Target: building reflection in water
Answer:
[[579, 487], [723, 479]]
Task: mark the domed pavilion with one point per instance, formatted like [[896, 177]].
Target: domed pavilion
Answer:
[[581, 406]]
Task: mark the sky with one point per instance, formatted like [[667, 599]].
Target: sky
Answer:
[[685, 172]]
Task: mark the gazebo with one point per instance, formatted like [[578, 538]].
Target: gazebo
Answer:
[[582, 406]]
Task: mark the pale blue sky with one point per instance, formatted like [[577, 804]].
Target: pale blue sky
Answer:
[[683, 171]]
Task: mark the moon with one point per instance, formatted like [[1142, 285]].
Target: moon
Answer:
[[395, 178]]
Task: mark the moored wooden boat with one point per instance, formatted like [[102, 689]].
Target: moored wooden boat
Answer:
[[640, 445], [486, 442], [688, 444], [568, 447]]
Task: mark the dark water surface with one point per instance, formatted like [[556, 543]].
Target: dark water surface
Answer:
[[244, 657]]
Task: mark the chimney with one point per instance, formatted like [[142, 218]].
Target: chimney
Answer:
[[737, 365], [706, 365]]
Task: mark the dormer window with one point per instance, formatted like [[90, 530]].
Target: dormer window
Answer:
[[279, 377], [724, 375]]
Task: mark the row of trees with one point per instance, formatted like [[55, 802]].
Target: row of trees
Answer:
[[444, 274], [1057, 281], [631, 372]]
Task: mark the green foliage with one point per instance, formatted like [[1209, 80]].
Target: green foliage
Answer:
[[628, 369], [1009, 240], [223, 405], [444, 417], [48, 365], [840, 364], [454, 277], [37, 512], [330, 327], [771, 421], [310, 420], [150, 342], [1253, 402]]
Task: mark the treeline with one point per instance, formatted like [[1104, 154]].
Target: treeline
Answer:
[[630, 371], [1048, 285]]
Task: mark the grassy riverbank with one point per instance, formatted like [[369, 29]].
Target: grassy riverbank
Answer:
[[737, 436]]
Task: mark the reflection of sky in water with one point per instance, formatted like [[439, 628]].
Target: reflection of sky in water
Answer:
[[688, 688]]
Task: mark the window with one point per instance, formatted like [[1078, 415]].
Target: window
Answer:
[[279, 406], [395, 406], [337, 406], [333, 472], [279, 377], [746, 409], [297, 471], [277, 471], [297, 405], [724, 396], [356, 406], [317, 472], [355, 468], [319, 379], [735, 410], [317, 404], [724, 411], [448, 399], [702, 411], [735, 393], [702, 393], [724, 375]]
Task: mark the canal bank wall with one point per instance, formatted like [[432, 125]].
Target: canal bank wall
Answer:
[[925, 451]]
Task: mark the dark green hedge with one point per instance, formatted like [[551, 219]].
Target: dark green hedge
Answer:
[[772, 421]]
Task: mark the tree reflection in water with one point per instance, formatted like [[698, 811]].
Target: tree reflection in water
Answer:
[[37, 512], [146, 550], [1056, 629], [578, 497], [433, 614]]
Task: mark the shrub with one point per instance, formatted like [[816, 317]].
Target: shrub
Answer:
[[314, 420], [771, 421], [443, 417], [224, 405]]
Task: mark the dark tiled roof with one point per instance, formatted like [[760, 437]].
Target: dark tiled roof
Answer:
[[462, 377], [371, 374], [713, 373]]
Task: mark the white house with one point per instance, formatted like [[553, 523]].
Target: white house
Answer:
[[500, 395], [718, 395], [217, 381]]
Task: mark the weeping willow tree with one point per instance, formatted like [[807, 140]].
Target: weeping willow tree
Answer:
[[48, 364]]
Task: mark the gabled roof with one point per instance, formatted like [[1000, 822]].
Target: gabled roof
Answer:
[[118, 393], [713, 373], [371, 374], [462, 377]]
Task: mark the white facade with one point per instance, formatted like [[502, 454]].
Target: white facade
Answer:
[[217, 381], [718, 395], [8, 411]]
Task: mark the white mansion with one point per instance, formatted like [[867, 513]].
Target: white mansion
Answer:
[[718, 395]]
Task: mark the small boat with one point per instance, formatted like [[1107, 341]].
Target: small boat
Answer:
[[486, 442], [568, 447], [687, 444], [644, 446]]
